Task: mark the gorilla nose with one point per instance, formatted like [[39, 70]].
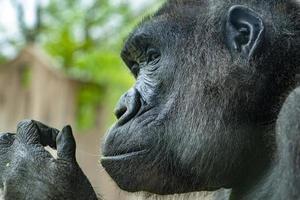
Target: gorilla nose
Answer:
[[128, 106]]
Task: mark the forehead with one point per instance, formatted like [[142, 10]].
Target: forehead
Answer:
[[179, 16], [183, 8], [173, 20], [185, 13]]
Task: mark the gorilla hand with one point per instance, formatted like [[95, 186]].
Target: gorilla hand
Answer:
[[28, 171]]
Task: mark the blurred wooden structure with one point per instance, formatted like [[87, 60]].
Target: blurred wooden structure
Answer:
[[32, 88]]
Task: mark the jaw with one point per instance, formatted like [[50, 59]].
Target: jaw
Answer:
[[149, 171], [136, 179], [144, 158], [128, 156], [151, 168], [120, 169]]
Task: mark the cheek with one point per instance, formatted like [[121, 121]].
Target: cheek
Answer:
[[192, 135], [155, 83], [185, 146], [148, 86]]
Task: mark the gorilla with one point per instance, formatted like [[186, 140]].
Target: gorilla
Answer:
[[215, 105]]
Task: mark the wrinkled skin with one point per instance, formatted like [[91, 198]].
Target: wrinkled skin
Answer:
[[211, 79], [28, 171]]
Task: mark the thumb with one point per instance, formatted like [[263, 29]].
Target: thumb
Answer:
[[66, 145]]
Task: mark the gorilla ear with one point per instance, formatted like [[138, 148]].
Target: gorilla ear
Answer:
[[244, 31]]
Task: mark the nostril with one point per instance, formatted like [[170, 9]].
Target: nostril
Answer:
[[128, 106], [119, 112]]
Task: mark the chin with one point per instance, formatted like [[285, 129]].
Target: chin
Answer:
[[118, 167], [141, 168], [145, 177], [136, 179]]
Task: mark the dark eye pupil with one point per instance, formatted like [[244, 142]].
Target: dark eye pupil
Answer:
[[152, 55], [135, 69]]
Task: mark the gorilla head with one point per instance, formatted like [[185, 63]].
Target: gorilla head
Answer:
[[210, 79]]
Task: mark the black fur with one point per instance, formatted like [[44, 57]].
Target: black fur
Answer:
[[206, 117], [204, 113], [28, 171]]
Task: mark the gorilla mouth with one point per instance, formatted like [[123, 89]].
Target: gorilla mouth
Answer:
[[125, 155]]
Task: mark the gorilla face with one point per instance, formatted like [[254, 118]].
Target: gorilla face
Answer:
[[206, 93]]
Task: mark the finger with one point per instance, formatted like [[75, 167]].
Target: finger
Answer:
[[26, 132], [66, 145], [47, 134], [34, 132]]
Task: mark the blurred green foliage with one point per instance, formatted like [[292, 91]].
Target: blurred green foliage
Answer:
[[85, 37], [26, 76], [3, 59], [88, 105]]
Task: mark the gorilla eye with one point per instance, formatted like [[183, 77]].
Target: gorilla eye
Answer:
[[135, 69], [153, 56]]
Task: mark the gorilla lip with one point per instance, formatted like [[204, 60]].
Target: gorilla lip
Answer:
[[124, 156]]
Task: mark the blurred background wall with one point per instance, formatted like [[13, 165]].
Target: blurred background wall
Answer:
[[59, 64]]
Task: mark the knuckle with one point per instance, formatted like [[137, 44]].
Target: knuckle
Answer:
[[25, 123], [7, 138]]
